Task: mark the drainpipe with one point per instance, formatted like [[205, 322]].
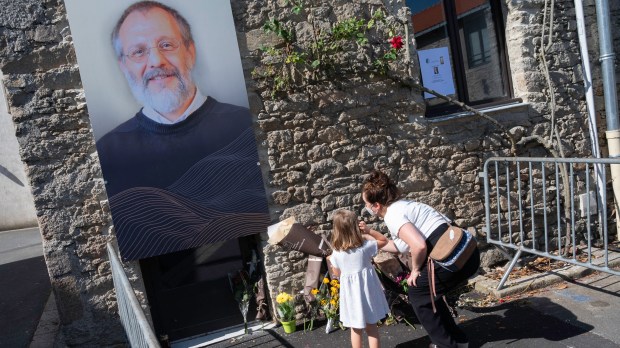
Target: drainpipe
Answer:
[[611, 103], [587, 81], [585, 59]]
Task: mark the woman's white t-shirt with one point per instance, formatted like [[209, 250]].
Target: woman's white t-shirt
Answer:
[[424, 217]]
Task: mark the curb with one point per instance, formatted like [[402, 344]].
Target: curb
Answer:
[[521, 285]]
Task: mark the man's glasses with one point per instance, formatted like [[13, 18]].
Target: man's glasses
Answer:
[[139, 54]]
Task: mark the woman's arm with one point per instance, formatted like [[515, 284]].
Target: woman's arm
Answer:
[[417, 247]]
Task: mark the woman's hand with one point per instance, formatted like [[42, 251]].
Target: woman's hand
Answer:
[[365, 229], [413, 278]]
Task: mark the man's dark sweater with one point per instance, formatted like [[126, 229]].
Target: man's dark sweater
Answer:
[[179, 186]]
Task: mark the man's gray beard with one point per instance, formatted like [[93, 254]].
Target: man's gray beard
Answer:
[[166, 100]]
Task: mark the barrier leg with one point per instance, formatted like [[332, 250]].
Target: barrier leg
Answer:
[[510, 267]]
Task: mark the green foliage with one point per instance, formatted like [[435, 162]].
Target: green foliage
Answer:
[[297, 6], [350, 29], [291, 65], [274, 26], [295, 57], [378, 15], [390, 55], [381, 66]]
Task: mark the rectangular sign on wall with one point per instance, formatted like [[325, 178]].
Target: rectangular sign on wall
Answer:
[[436, 71]]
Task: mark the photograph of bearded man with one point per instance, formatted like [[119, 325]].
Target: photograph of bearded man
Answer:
[[183, 171], [158, 75]]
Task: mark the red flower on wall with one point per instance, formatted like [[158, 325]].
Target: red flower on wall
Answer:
[[396, 42]]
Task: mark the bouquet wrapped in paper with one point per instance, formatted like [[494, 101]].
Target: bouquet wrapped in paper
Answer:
[[294, 236]]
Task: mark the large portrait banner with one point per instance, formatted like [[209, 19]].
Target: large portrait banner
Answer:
[[167, 100]]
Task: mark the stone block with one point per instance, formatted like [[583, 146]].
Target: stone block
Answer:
[[388, 264]]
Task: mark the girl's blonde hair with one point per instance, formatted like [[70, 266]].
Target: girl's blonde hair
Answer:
[[347, 234]]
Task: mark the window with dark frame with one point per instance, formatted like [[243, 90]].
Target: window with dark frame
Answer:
[[461, 49], [476, 39]]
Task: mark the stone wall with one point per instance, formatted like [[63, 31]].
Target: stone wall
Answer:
[[523, 34], [524, 31], [318, 140]]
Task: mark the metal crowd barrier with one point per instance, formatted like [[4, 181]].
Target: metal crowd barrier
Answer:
[[556, 208], [132, 316]]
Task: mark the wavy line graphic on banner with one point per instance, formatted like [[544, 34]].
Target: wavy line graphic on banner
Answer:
[[219, 198]]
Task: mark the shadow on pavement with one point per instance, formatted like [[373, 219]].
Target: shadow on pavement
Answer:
[[517, 320], [607, 284], [25, 288], [519, 323], [516, 323]]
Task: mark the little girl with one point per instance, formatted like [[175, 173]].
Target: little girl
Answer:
[[362, 301]]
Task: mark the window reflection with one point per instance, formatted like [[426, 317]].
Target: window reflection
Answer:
[[464, 33], [480, 55]]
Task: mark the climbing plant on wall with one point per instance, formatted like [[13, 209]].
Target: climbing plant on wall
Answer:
[[332, 50]]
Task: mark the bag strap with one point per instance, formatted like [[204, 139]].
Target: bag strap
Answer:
[[430, 264], [433, 293], [431, 281]]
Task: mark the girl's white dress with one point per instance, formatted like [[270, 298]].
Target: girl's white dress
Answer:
[[362, 300]]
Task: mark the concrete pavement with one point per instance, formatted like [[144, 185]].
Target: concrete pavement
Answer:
[[569, 306], [579, 313]]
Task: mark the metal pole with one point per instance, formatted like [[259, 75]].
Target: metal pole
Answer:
[[607, 59]]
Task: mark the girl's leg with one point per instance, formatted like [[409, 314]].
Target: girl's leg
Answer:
[[356, 338], [373, 336]]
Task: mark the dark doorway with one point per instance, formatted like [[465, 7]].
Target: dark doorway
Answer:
[[189, 291]]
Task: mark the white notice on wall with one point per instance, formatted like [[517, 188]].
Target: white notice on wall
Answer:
[[436, 71]]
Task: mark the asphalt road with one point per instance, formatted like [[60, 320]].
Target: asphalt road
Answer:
[[24, 286]]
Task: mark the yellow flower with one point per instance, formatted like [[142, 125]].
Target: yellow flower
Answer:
[[283, 297], [325, 280], [285, 307], [314, 291], [333, 302], [323, 302], [334, 282]]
